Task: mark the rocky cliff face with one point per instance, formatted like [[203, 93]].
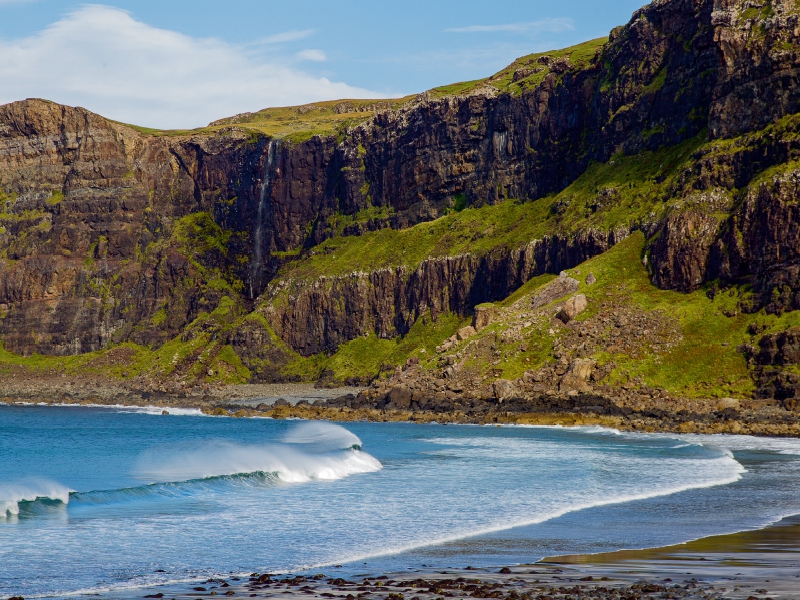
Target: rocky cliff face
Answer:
[[317, 317], [109, 234], [89, 208]]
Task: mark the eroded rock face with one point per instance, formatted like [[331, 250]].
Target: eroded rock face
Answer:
[[317, 316], [780, 349], [774, 362], [758, 76], [82, 200], [761, 241], [92, 251]]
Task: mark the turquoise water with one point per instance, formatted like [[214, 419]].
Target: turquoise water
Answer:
[[99, 499]]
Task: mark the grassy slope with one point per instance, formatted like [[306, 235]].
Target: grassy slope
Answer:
[[704, 363], [578, 57], [298, 123], [624, 191], [641, 182], [511, 223]]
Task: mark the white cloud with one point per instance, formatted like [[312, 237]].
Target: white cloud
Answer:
[[101, 58], [552, 25], [315, 55], [287, 36]]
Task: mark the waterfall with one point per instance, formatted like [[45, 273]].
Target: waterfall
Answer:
[[257, 263]]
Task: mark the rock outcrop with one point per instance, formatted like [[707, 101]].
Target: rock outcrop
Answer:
[[109, 233], [319, 315]]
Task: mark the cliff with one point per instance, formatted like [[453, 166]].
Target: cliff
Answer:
[[267, 246]]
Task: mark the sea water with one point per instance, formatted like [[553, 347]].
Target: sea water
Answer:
[[117, 499]]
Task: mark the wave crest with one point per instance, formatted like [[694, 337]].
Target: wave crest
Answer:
[[326, 452], [30, 490]]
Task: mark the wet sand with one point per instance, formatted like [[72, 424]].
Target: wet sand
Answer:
[[755, 564]]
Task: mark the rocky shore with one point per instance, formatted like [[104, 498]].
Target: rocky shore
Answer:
[[384, 403]]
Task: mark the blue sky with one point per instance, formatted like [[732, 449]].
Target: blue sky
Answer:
[[181, 63]]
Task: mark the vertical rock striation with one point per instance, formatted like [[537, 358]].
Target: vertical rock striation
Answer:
[[110, 234]]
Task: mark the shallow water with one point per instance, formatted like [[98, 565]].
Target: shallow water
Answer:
[[107, 499]]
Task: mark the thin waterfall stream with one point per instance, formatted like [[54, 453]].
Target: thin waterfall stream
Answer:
[[257, 263]]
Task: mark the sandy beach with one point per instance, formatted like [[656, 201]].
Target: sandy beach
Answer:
[[762, 564]]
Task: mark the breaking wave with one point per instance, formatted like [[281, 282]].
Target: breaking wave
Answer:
[[309, 451], [12, 495]]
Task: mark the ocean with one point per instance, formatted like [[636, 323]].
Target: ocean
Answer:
[[117, 500]]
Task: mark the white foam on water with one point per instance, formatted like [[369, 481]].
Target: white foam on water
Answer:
[[30, 490], [157, 410], [725, 470], [325, 451], [747, 442], [321, 434], [121, 408], [335, 456]]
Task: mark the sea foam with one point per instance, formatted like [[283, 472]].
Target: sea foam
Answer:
[[309, 451], [30, 490]]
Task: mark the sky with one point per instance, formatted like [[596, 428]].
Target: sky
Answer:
[[184, 63]]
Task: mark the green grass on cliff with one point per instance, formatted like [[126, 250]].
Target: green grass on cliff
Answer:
[[299, 123], [294, 123], [704, 361], [363, 357], [577, 57], [621, 192], [474, 230], [531, 70]]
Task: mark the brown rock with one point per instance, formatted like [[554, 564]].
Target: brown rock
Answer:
[[572, 308], [576, 379], [465, 333], [727, 403], [482, 316], [504, 390], [558, 288]]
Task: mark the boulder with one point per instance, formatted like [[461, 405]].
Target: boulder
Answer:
[[591, 279], [483, 316], [576, 379], [572, 308], [413, 361], [726, 403], [504, 390], [400, 397], [558, 288], [465, 333], [446, 345]]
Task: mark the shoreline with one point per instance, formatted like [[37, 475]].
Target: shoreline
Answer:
[[304, 401], [751, 564], [735, 565]]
